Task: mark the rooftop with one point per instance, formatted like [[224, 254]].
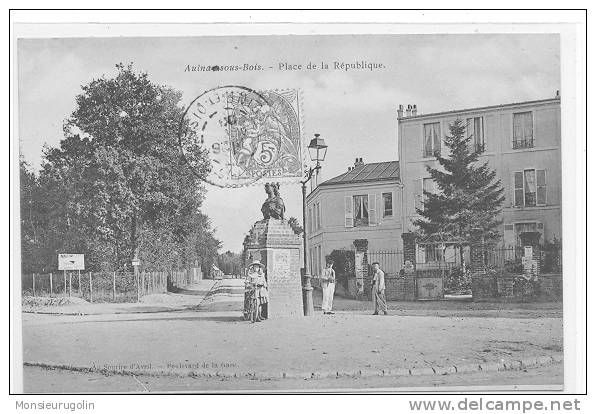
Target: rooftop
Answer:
[[376, 171], [480, 108]]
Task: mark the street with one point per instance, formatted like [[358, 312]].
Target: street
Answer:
[[216, 345]]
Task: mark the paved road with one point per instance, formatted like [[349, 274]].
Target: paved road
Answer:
[[203, 341]]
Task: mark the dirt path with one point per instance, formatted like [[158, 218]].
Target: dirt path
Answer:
[[199, 341]]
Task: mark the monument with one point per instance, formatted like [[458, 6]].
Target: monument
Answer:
[[273, 242]]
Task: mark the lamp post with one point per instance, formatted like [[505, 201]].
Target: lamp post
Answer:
[[317, 150]]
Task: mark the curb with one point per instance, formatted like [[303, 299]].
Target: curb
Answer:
[[104, 313], [511, 365]]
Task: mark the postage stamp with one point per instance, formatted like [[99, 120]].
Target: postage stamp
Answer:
[[246, 135]]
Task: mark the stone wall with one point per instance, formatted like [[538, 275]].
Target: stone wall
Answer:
[[501, 286], [551, 285], [396, 288]]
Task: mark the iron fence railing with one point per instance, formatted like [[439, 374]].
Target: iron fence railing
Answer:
[[390, 261], [523, 143]]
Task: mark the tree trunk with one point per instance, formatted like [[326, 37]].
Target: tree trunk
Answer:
[[134, 237]]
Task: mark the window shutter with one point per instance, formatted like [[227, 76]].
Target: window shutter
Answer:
[[509, 235], [528, 126], [348, 211], [518, 188], [420, 254], [427, 140], [541, 187], [372, 210], [517, 127], [469, 130]]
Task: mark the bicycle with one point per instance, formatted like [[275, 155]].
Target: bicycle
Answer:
[[251, 305]]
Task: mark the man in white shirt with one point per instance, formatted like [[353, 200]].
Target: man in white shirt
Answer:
[[378, 290], [328, 285]]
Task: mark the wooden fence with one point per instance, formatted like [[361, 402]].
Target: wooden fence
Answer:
[[102, 286]]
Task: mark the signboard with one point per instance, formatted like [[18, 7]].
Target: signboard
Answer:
[[528, 251], [68, 261]]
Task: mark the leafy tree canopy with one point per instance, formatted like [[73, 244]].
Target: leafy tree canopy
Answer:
[[117, 184]]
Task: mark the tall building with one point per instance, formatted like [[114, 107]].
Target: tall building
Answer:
[[520, 141]]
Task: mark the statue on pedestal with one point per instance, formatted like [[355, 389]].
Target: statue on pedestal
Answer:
[[274, 206]]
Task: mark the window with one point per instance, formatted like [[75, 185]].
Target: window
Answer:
[[512, 232], [387, 204], [523, 130], [432, 139], [361, 210], [529, 188], [475, 131]]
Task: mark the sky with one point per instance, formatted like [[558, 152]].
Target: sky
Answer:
[[354, 111]]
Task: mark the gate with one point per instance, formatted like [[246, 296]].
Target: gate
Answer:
[[429, 284]]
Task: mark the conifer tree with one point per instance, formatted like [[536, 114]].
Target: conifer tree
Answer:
[[466, 195]]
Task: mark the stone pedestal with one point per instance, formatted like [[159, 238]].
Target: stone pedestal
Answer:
[[531, 260], [409, 281], [361, 269], [275, 244], [484, 286]]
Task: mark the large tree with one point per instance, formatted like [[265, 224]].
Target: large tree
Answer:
[[230, 263], [467, 193], [117, 182]]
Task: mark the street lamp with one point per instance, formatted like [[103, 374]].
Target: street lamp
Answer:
[[317, 150]]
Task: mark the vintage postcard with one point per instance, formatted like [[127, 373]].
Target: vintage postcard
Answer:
[[291, 210]]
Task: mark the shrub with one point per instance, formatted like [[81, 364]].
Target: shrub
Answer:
[[343, 264], [458, 280]]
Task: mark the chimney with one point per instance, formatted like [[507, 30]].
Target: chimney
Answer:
[[409, 111], [414, 110], [358, 162], [400, 112], [558, 95]]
